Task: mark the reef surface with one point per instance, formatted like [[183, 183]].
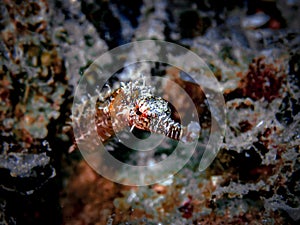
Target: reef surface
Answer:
[[252, 47]]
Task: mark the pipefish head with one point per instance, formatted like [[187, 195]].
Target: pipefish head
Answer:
[[148, 112]]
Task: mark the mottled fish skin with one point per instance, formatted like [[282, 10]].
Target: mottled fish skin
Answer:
[[134, 105], [153, 114]]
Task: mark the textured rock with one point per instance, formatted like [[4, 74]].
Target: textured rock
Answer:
[[253, 50]]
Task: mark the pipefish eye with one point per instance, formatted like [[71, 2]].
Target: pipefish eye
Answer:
[[138, 112]]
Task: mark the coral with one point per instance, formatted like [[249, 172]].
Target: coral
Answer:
[[34, 86], [253, 179], [261, 81], [253, 50]]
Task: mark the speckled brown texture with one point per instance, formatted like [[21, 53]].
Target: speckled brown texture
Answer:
[[251, 46]]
